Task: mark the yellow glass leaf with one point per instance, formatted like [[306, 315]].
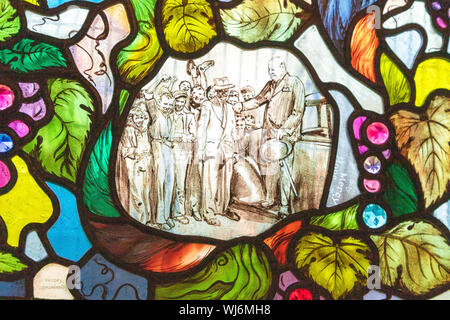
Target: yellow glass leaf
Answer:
[[423, 140], [188, 24], [414, 257], [35, 2], [339, 267], [396, 83], [25, 203], [431, 74]]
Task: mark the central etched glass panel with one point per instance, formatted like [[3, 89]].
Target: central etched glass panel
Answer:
[[225, 145]]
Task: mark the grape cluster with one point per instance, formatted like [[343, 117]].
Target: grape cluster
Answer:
[[374, 138], [440, 11], [16, 120]]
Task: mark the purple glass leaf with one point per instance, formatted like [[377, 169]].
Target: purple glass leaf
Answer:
[[29, 89], [19, 127], [287, 279], [36, 110], [277, 296]]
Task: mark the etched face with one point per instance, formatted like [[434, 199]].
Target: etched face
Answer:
[[233, 97], [198, 95], [140, 119], [277, 69], [247, 95], [166, 104], [185, 86], [180, 103], [148, 95], [212, 93]]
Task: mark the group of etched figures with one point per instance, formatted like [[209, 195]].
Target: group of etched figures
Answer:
[[181, 142]]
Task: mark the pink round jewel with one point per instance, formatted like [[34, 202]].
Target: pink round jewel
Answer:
[[372, 186], [6, 97], [5, 174], [377, 133], [20, 127]]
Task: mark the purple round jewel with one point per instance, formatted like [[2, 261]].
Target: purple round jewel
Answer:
[[436, 5], [372, 164]]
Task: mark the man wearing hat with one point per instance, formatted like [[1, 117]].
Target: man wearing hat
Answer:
[[216, 148], [184, 130], [222, 88]]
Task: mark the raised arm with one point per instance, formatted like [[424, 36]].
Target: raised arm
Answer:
[[202, 68], [173, 79], [162, 85], [151, 89], [256, 102]]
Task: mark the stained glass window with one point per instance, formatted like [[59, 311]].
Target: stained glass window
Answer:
[[224, 149]]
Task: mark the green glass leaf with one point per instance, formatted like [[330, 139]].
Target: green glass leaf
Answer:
[[400, 194], [27, 55], [9, 20], [144, 9], [136, 60], [9, 263], [414, 257], [341, 220], [97, 196], [422, 138], [124, 95], [397, 85], [338, 265], [59, 145], [239, 273], [257, 20]]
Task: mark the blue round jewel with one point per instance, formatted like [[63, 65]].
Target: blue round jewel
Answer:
[[374, 216], [6, 143]]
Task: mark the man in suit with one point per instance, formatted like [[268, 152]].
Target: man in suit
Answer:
[[284, 97], [184, 131], [216, 149], [161, 132]]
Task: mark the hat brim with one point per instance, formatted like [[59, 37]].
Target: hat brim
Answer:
[[223, 87]]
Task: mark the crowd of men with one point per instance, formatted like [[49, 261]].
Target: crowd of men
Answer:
[[180, 144]]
